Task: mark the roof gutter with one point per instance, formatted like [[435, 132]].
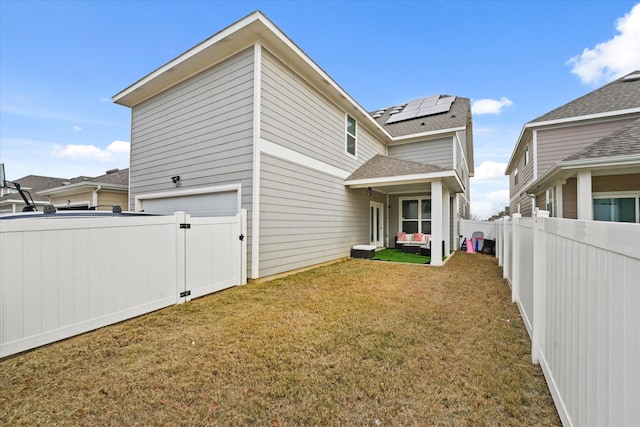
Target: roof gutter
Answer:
[[401, 179], [89, 184], [571, 165], [417, 136]]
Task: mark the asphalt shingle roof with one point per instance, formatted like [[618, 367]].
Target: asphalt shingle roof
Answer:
[[615, 96], [457, 116], [623, 142], [120, 177], [33, 184], [380, 166]]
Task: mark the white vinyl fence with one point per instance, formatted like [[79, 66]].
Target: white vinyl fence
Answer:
[[64, 276], [577, 285]]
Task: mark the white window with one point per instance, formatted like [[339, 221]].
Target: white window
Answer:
[[616, 207], [515, 177], [351, 136], [415, 215], [526, 156]]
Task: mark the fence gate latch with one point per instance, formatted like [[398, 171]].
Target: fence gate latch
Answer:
[[185, 294], [241, 237], [185, 225]]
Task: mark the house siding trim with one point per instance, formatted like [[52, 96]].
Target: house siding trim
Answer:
[[292, 156], [255, 201]]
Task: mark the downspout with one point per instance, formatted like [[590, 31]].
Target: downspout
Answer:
[[95, 195]]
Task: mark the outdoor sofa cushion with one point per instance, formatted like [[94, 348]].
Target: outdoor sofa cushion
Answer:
[[423, 239]]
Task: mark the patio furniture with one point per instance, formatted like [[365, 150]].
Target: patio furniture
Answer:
[[363, 251], [403, 238], [411, 248], [425, 250]]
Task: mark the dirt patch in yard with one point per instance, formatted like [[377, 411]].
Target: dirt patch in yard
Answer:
[[358, 343]]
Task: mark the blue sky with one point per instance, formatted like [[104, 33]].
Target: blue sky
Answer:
[[61, 61]]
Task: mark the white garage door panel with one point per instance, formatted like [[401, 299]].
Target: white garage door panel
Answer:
[[208, 204]]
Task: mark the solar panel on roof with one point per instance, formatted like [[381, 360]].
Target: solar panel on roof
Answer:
[[423, 107]]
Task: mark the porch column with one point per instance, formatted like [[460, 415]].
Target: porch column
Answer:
[[585, 210], [446, 220], [436, 223], [456, 219], [559, 208]]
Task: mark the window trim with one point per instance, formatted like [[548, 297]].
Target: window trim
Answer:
[[347, 135], [526, 156], [419, 219], [619, 195]]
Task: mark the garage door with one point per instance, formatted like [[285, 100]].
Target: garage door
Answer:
[[210, 203]]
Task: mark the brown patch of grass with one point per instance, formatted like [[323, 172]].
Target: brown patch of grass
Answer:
[[354, 343]]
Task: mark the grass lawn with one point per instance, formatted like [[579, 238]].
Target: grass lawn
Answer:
[[396, 255], [356, 343]]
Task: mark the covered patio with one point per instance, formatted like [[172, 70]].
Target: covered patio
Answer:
[[419, 197]]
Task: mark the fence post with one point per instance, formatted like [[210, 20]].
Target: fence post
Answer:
[[539, 285], [243, 246], [181, 256], [515, 257], [506, 250], [499, 241]]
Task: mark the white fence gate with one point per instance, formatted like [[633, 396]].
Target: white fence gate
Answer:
[[60, 277], [577, 284]]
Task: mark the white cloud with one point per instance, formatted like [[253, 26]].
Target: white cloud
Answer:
[[76, 128], [489, 171], [114, 151], [483, 205], [490, 106], [613, 58]]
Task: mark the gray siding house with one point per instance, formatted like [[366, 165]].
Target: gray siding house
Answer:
[[582, 160], [246, 120]]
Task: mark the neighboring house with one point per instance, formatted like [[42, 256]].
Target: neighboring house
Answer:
[[82, 192], [99, 193], [246, 120], [11, 201], [582, 160]]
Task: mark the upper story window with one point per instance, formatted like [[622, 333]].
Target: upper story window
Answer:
[[526, 156], [351, 130], [515, 177]]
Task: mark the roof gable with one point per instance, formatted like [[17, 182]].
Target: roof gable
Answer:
[[623, 142], [621, 94]]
